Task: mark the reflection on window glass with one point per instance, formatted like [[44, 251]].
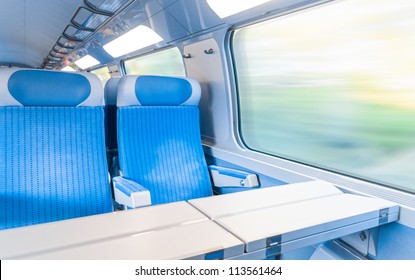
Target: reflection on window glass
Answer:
[[165, 63], [103, 74], [333, 87]]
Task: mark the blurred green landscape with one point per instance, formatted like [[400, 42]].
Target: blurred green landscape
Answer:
[[333, 87]]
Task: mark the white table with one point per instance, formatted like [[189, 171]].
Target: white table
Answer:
[[294, 216], [201, 240], [158, 232], [228, 204], [252, 225]]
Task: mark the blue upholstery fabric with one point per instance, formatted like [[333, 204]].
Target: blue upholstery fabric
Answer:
[[160, 148], [136, 90], [53, 164], [45, 88], [162, 91]]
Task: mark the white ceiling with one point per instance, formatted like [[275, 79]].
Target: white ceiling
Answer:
[[29, 28]]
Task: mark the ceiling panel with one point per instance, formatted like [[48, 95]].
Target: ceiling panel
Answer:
[[29, 28], [194, 16]]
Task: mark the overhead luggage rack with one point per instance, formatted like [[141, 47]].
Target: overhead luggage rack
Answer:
[[85, 22]]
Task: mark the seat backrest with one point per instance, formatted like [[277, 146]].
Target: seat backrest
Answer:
[[110, 93], [159, 140], [52, 151]]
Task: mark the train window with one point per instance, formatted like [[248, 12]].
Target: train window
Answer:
[[166, 63], [68, 69], [333, 87], [102, 73]]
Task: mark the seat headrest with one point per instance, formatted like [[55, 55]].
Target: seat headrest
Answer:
[[110, 91], [158, 91], [35, 87]]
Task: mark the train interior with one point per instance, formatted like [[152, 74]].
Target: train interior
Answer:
[[207, 129]]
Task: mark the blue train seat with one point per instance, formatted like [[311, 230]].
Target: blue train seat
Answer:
[[52, 147], [159, 139]]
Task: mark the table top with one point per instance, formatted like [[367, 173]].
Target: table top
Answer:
[[188, 241], [229, 204], [231, 224], [50, 236], [305, 218]]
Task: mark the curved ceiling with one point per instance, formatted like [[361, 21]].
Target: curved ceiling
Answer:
[[29, 28]]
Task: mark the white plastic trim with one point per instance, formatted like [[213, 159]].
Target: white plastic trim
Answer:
[[196, 92], [135, 200], [6, 99], [96, 97], [226, 180]]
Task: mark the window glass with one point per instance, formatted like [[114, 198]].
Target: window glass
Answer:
[[164, 63], [103, 74], [333, 87]]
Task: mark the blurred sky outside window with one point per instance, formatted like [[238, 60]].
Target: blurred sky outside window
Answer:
[[103, 74], [164, 63]]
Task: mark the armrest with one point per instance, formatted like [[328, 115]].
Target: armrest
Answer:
[[130, 193], [228, 177]]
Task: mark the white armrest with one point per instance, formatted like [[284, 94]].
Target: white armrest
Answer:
[[228, 177], [130, 193]]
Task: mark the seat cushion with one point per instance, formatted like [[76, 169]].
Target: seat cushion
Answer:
[[160, 148], [53, 164]]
